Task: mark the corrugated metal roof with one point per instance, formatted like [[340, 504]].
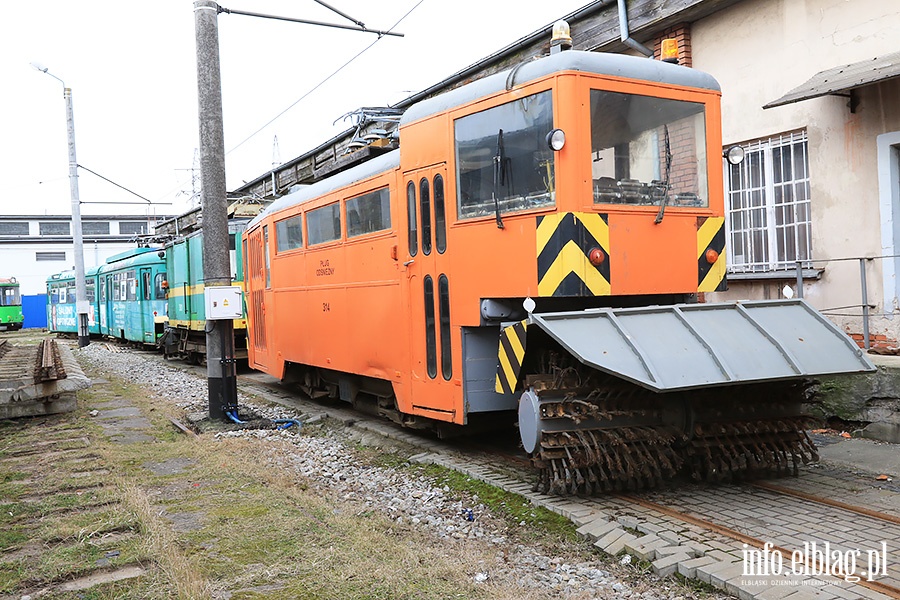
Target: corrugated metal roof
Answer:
[[666, 348], [843, 78]]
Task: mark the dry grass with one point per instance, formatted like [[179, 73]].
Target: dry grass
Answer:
[[229, 521], [162, 545]]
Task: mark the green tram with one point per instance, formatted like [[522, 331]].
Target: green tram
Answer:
[[185, 335], [126, 298], [61, 314], [11, 317]]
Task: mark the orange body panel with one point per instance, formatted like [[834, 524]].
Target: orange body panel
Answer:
[[650, 258], [358, 305]]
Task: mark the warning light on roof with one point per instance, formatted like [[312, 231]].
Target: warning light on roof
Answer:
[[669, 50], [560, 37]]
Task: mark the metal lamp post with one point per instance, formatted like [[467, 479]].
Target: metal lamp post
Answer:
[[81, 303]]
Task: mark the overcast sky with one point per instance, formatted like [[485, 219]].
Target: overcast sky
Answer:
[[132, 69]]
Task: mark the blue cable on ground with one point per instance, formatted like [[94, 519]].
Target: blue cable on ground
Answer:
[[233, 416], [285, 423], [280, 423]]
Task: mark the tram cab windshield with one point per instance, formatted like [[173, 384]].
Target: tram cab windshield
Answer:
[[646, 149], [503, 161], [9, 295]]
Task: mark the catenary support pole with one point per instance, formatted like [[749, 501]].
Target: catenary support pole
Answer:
[[220, 365]]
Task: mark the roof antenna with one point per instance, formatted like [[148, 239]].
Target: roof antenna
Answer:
[[276, 161]]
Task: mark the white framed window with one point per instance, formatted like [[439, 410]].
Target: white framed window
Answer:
[[768, 203]]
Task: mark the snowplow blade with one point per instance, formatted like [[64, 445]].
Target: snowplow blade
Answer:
[[689, 346]]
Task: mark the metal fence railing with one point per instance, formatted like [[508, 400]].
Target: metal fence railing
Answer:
[[864, 304]]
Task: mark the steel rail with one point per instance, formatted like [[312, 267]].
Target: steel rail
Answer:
[[764, 485], [876, 586]]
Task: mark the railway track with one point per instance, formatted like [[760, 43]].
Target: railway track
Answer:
[[38, 379]]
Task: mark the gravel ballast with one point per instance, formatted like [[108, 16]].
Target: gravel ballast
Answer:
[[326, 462]]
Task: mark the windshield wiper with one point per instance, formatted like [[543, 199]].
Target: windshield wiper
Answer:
[[665, 198], [500, 167]]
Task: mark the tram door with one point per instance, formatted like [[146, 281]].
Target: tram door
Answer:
[[111, 293], [148, 317], [103, 283], [428, 293], [256, 253]]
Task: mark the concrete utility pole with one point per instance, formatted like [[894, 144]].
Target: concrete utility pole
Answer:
[[220, 364], [81, 302]]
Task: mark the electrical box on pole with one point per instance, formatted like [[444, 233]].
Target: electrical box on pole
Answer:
[[223, 302]]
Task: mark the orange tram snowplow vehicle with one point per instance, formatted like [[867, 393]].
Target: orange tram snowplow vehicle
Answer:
[[536, 246]]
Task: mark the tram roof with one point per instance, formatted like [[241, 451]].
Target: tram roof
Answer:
[[599, 63], [379, 164]]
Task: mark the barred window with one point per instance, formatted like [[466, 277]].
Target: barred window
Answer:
[[95, 228], [769, 221], [54, 228], [14, 228], [133, 227]]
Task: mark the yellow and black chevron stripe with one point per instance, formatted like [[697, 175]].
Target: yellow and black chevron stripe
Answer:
[[711, 236], [510, 357], [564, 242]]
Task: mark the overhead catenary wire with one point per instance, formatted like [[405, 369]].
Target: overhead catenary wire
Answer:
[[311, 90], [345, 15], [245, 13], [321, 83], [118, 185]]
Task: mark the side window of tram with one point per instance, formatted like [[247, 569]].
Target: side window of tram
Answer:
[[118, 286], [323, 224], [245, 257], [148, 289], [430, 338], [444, 326], [158, 288], [266, 255], [368, 213], [440, 218], [131, 288], [425, 203], [288, 234], [413, 232]]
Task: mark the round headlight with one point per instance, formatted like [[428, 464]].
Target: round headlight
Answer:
[[556, 139], [735, 155]]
